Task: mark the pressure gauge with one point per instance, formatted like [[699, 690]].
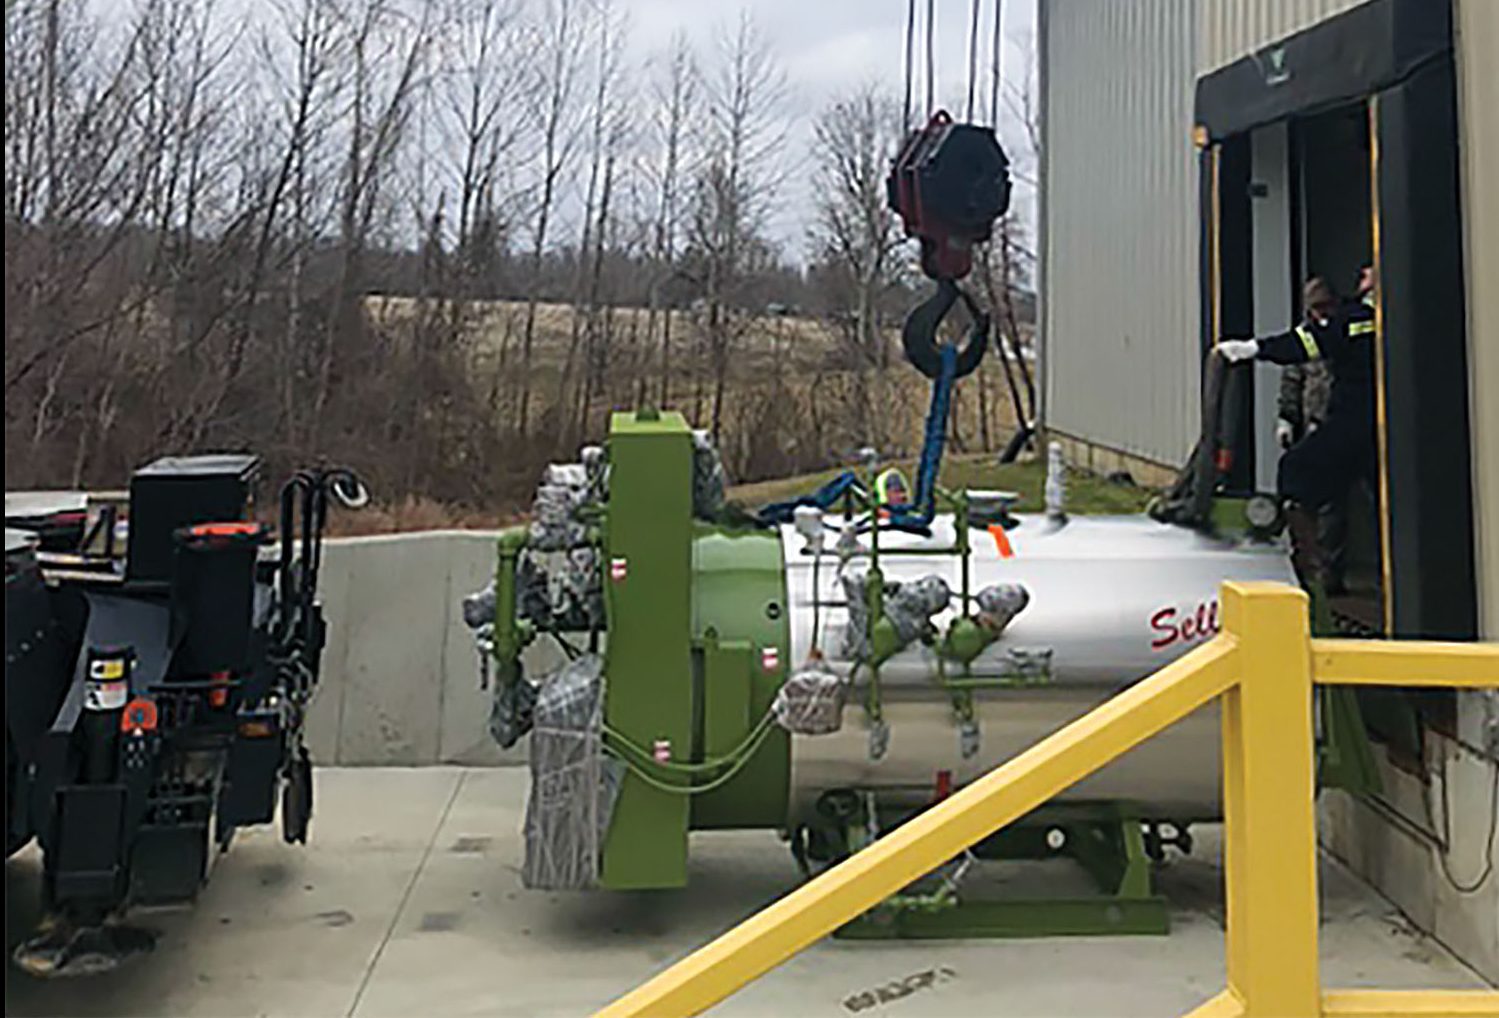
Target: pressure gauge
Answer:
[[1262, 512]]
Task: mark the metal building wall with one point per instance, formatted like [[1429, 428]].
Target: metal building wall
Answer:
[[1477, 25], [1230, 29], [1119, 224]]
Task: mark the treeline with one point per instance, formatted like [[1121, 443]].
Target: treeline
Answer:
[[201, 200]]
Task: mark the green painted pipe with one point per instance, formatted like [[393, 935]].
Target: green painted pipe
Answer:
[[511, 635]]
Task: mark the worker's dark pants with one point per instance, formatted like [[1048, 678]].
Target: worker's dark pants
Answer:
[[1332, 533], [1323, 467]]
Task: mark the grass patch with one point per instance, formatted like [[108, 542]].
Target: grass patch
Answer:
[[1087, 494]]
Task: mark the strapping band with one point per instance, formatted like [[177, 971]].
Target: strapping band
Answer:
[[1001, 541]]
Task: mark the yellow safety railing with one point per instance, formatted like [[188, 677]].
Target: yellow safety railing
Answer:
[[1263, 665]]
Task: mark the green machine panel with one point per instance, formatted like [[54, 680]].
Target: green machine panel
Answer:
[[740, 619], [649, 658]]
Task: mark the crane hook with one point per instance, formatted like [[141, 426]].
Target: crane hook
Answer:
[[918, 336]]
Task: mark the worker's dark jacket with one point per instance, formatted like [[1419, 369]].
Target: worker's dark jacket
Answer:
[[1346, 343], [1319, 468]]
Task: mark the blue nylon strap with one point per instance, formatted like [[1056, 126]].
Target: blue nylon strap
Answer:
[[918, 516], [824, 497], [924, 507]]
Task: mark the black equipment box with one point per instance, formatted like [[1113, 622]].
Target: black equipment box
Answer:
[[178, 491], [213, 596]]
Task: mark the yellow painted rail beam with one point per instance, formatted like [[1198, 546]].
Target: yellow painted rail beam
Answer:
[[1410, 1004], [1376, 1004], [1405, 663], [930, 839]]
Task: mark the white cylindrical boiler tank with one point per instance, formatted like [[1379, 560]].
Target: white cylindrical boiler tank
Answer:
[[1112, 598]]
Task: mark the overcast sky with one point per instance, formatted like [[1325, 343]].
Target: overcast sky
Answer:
[[831, 46], [827, 47]]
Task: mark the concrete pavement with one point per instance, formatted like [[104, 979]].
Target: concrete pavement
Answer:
[[408, 901]]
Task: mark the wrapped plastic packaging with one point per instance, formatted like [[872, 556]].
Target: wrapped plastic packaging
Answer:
[[709, 481], [909, 608], [810, 701], [564, 489], [574, 785]]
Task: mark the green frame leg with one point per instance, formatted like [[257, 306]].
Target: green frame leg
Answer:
[[1105, 839]]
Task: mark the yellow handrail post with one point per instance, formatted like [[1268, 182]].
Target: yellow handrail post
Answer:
[[1270, 853]]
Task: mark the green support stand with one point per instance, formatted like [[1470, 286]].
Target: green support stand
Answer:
[[648, 658], [1105, 839]]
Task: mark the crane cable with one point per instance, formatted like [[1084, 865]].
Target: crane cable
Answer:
[[973, 53], [930, 26], [931, 64], [905, 118], [996, 53]]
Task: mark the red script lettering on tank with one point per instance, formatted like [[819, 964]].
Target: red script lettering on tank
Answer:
[[1171, 626]]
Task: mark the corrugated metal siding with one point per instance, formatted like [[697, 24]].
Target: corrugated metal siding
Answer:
[[1120, 249], [1478, 97], [1230, 29]]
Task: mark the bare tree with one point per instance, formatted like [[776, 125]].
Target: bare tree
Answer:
[[1022, 101], [736, 184], [591, 318], [307, 40], [79, 169], [557, 53], [855, 231], [673, 92], [183, 52], [280, 226], [109, 141], [481, 85], [388, 53]]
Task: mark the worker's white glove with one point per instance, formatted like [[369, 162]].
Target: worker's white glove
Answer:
[[1285, 433], [1235, 350]]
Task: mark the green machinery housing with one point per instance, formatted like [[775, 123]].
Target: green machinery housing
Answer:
[[692, 635]]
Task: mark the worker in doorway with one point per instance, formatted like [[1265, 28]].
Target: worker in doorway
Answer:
[[1304, 390], [891, 489], [1324, 465]]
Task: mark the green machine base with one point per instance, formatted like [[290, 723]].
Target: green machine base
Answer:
[[1048, 917], [1107, 840]]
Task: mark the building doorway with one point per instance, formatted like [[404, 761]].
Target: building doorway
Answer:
[[1331, 226], [1317, 169]]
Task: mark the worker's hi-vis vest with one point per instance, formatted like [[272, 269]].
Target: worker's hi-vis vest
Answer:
[[1343, 341]]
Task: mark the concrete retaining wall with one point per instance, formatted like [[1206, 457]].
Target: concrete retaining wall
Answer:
[[400, 674]]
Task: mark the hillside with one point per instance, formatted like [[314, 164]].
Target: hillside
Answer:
[[795, 399]]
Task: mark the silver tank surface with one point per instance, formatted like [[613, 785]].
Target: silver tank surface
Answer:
[[1112, 597]]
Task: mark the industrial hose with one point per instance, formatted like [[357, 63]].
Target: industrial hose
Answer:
[[745, 749], [748, 748]]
